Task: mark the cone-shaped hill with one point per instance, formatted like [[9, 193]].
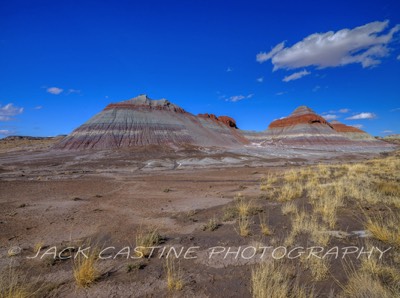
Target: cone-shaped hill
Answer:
[[304, 127], [141, 121]]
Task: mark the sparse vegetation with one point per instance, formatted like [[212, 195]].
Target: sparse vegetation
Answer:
[[274, 279], [264, 226], [174, 275], [85, 271], [288, 208], [244, 225], [211, 225], [145, 239], [385, 228], [242, 205], [11, 285]]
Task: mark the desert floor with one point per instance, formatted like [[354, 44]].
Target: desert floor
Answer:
[[51, 201]]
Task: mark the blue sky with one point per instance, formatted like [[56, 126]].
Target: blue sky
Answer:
[[61, 62]]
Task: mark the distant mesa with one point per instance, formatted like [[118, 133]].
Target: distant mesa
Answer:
[[230, 122], [141, 121], [303, 127], [351, 132]]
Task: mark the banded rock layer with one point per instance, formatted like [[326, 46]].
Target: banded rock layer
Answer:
[[302, 127], [351, 132], [141, 121], [305, 128]]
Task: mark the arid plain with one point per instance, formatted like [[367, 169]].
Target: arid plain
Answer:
[[222, 205]]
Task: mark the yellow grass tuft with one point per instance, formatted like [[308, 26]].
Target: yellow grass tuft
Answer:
[[274, 279], [85, 271], [265, 229], [145, 239], [267, 182], [290, 192], [244, 226], [174, 275], [385, 228], [288, 208], [242, 205], [11, 286]]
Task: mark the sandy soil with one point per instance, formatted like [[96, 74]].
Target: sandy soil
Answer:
[[62, 199]]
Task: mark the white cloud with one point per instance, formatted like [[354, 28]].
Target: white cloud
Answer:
[[330, 117], [6, 132], [387, 131], [365, 45], [316, 88], [236, 98], [229, 69], [344, 111], [260, 80], [296, 76], [263, 56], [73, 91], [8, 111], [38, 108], [398, 57], [280, 93], [54, 90], [395, 110], [362, 116], [359, 126]]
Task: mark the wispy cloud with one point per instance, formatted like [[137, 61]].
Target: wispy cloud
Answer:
[[71, 91], [260, 79], [38, 108], [8, 111], [263, 56], [229, 69], [359, 126], [6, 132], [395, 110], [362, 116], [237, 98], [316, 88], [330, 117], [344, 111], [365, 44], [296, 76], [387, 131], [398, 57], [280, 93], [54, 90]]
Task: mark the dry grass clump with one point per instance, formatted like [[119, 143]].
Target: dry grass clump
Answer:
[[288, 208], [174, 275], [264, 226], [243, 226], [275, 279], [145, 239], [388, 188], [319, 268], [385, 228], [85, 271], [326, 199], [230, 213], [11, 285], [307, 223], [211, 225], [290, 192], [267, 182], [372, 279], [243, 206]]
